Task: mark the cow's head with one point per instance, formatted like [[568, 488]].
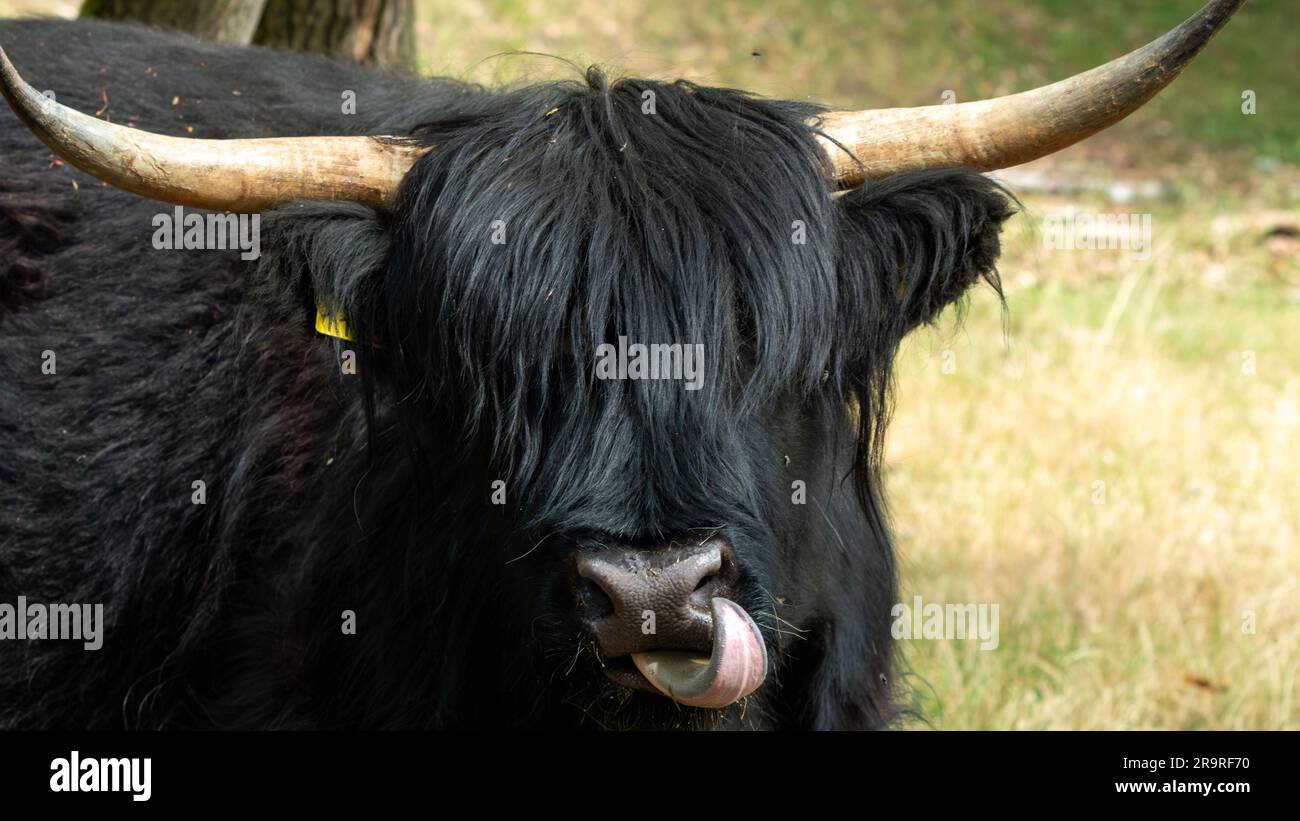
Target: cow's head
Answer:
[[650, 326]]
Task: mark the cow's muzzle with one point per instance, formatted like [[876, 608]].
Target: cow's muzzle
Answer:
[[669, 611]]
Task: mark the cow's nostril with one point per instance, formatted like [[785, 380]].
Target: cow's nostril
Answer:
[[710, 585], [595, 600], [709, 582]]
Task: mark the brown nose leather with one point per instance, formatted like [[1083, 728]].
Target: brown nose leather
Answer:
[[660, 596]]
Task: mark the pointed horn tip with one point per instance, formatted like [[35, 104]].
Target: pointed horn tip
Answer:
[[863, 145], [13, 87], [19, 94], [8, 74]]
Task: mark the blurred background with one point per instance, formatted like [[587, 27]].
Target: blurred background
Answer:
[[1114, 460]]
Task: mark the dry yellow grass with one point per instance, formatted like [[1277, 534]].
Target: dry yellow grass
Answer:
[[1118, 478]]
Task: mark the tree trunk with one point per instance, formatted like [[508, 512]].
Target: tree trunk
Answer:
[[370, 32], [223, 21]]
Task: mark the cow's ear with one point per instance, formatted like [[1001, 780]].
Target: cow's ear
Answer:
[[914, 243], [326, 258]]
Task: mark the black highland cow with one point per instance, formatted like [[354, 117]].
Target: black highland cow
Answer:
[[502, 524]]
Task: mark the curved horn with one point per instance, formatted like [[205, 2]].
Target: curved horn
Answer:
[[226, 175], [1006, 131]]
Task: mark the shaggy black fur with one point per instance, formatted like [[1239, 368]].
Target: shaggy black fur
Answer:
[[329, 492]]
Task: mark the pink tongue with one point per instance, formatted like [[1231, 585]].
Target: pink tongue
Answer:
[[735, 669]]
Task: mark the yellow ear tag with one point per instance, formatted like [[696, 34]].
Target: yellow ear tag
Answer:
[[335, 326]]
